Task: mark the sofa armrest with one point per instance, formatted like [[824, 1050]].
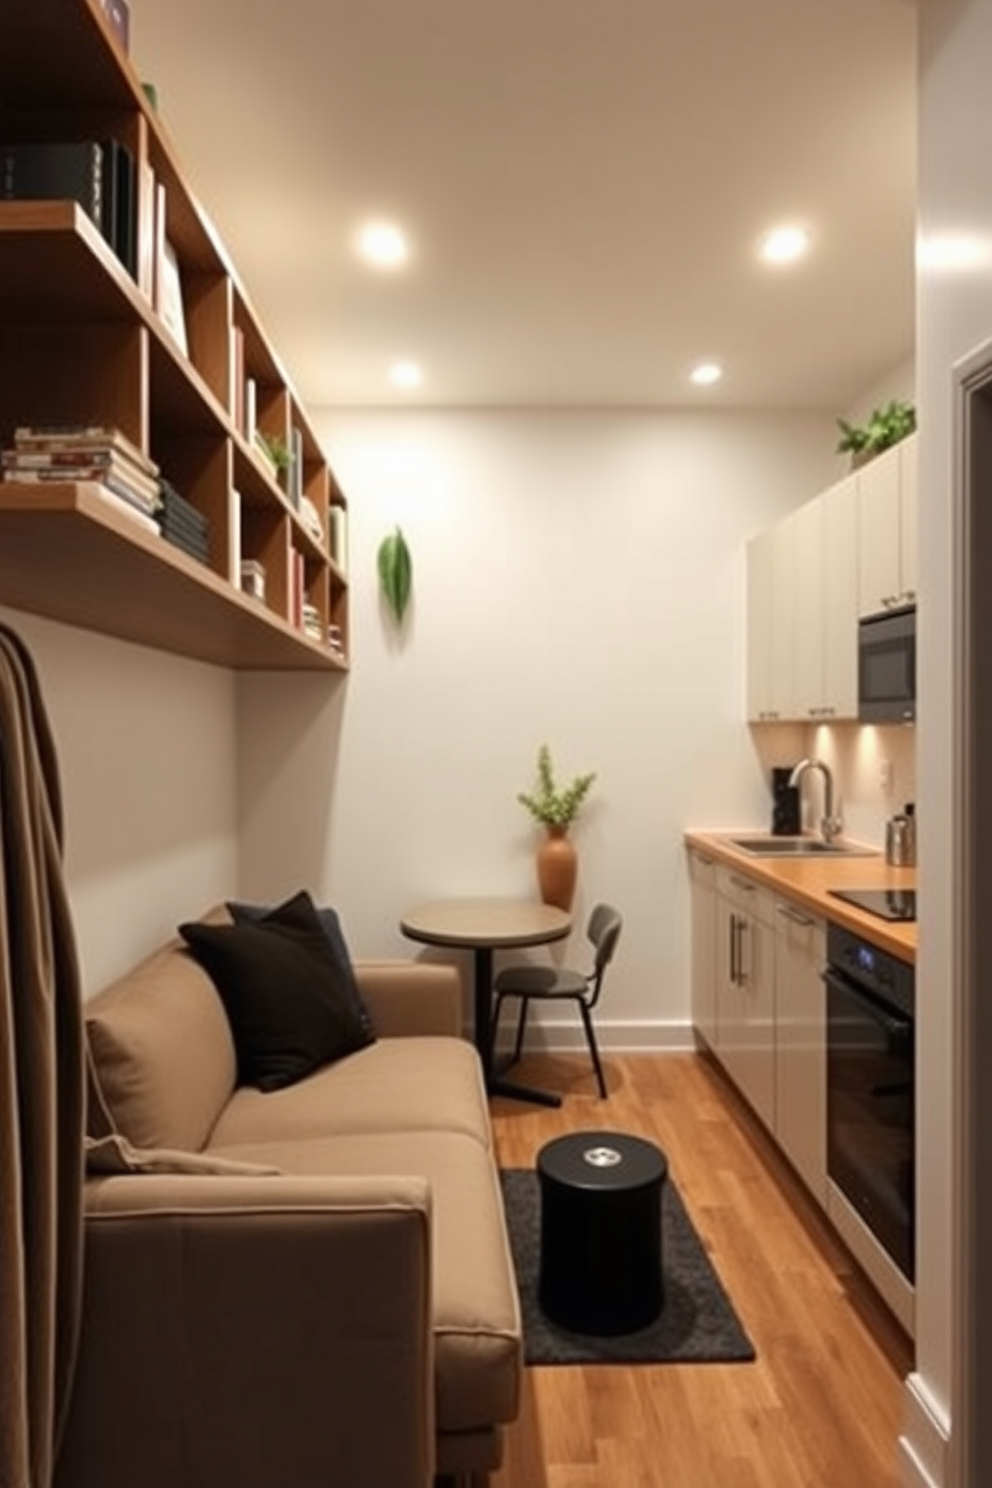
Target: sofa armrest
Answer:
[[411, 997], [262, 1331]]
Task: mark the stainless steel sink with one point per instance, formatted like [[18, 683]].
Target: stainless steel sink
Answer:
[[798, 847]]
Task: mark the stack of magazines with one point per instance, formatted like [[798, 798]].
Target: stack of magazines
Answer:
[[79, 452], [182, 525]]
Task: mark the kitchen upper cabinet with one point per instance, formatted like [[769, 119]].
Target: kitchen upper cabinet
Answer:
[[745, 989], [770, 587], [823, 540], [800, 1044], [887, 529], [702, 894]]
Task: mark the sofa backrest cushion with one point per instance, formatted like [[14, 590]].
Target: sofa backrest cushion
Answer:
[[161, 1055], [330, 923], [289, 1008]]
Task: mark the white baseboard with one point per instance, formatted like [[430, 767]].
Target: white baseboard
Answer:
[[616, 1037], [925, 1438]]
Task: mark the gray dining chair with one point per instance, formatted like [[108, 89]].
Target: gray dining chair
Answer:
[[529, 983]]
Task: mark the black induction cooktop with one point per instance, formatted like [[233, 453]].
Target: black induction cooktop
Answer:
[[887, 904]]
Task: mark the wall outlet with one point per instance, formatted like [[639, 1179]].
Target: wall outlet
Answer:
[[885, 775]]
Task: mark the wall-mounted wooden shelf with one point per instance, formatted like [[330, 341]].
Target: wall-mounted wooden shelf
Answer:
[[84, 341]]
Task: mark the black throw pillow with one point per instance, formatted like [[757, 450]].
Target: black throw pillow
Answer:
[[280, 988], [330, 923]]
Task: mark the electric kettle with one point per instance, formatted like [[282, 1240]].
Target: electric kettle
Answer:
[[900, 838]]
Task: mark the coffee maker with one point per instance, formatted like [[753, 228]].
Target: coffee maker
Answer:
[[785, 803]]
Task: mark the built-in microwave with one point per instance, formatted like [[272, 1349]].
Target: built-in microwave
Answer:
[[887, 667]]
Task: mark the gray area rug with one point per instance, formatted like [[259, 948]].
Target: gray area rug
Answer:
[[697, 1325]]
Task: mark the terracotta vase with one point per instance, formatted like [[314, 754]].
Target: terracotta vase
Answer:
[[557, 868]]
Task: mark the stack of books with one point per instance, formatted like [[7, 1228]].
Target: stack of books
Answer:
[[182, 525], [79, 452], [99, 174], [313, 626]]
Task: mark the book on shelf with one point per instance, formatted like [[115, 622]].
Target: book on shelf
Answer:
[[237, 378], [234, 535], [294, 481], [251, 410], [98, 174], [253, 578], [67, 436], [310, 518], [170, 295], [339, 536], [191, 546], [81, 464], [56, 170], [145, 187], [139, 518], [297, 580], [121, 485], [120, 203]]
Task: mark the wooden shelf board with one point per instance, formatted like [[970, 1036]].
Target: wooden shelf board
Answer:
[[68, 553]]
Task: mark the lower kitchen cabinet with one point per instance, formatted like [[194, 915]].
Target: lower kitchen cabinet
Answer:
[[800, 1044], [745, 988], [702, 899]]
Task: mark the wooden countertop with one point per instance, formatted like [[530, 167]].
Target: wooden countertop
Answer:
[[807, 881]]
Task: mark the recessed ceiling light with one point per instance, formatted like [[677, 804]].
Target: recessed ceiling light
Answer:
[[406, 375], [784, 245], [705, 374], [383, 245]]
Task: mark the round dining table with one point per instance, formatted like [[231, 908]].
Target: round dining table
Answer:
[[484, 926]]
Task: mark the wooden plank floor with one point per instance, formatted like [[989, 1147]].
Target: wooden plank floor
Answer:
[[821, 1406]]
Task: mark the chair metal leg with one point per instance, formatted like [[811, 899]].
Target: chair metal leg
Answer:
[[593, 1049], [518, 1047]]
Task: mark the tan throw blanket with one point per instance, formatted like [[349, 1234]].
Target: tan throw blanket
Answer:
[[41, 1088]]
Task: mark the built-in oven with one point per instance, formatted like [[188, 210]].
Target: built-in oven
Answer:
[[887, 667], [870, 1090]]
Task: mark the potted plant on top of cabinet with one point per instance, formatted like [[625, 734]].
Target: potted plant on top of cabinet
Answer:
[[885, 426]]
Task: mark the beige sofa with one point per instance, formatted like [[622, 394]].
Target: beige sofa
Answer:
[[311, 1287]]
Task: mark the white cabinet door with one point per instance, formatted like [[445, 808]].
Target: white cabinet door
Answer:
[[908, 518], [702, 890], [800, 1044], [887, 529], [808, 609], [840, 600], [746, 989], [770, 583], [760, 565]]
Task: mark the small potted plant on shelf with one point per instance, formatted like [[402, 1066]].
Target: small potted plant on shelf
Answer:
[[886, 426], [556, 807]]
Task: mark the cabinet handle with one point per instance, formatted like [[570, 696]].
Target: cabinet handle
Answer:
[[795, 916], [742, 883], [742, 925], [732, 927]]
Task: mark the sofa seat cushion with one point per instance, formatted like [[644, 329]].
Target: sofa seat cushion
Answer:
[[477, 1328], [404, 1084]]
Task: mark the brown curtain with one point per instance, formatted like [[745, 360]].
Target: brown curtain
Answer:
[[41, 1088]]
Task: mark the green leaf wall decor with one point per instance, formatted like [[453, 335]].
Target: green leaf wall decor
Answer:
[[395, 573]]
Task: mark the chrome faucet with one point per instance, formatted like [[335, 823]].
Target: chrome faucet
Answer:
[[830, 825]]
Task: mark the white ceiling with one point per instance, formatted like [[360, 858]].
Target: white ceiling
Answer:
[[583, 183]]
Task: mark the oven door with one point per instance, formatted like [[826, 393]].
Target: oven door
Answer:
[[887, 668], [870, 1113]]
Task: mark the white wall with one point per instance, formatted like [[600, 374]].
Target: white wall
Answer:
[[955, 314], [147, 747], [578, 579]]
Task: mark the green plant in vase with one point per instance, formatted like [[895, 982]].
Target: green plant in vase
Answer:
[[556, 807]]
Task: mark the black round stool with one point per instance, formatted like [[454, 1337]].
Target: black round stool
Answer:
[[601, 1259]]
